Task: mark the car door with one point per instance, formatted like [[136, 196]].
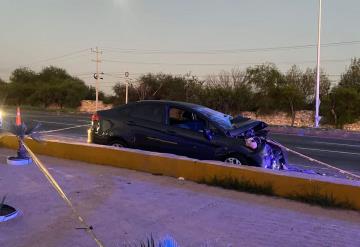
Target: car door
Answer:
[[147, 123], [187, 131]]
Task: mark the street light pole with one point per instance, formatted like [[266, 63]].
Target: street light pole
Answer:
[[127, 87], [317, 95]]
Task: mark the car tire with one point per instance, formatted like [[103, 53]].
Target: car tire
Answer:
[[235, 160], [118, 144]]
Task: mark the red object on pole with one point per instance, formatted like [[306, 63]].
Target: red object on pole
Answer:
[[18, 117]]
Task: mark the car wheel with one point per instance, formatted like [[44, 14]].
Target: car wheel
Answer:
[[118, 144], [233, 161]]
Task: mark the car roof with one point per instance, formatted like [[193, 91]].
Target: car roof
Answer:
[[170, 102]]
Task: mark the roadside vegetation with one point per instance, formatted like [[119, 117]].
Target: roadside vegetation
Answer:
[[52, 86], [313, 197], [262, 89], [242, 185]]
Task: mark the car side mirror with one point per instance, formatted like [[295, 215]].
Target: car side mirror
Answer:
[[208, 134]]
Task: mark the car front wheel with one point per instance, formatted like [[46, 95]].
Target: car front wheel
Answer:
[[233, 161], [118, 144]]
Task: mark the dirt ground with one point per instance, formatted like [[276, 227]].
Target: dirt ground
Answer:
[[127, 206]]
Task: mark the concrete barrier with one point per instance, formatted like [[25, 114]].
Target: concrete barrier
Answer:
[[282, 184]]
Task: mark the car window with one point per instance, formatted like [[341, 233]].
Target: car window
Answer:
[[221, 119], [184, 119], [149, 112]]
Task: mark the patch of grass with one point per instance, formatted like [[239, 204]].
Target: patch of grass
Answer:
[[240, 185], [314, 197], [157, 174]]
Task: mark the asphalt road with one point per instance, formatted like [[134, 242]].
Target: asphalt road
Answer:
[[341, 153]]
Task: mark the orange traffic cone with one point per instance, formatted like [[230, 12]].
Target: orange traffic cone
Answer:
[[18, 117]]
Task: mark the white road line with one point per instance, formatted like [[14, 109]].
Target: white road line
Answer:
[[329, 151], [59, 138], [83, 121], [73, 127], [68, 124], [338, 144]]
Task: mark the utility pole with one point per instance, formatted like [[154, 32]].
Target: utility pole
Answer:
[[127, 87], [96, 75], [317, 94]]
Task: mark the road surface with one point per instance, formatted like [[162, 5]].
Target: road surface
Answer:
[[342, 153]]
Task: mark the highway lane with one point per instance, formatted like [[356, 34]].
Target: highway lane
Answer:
[[55, 125], [341, 153]]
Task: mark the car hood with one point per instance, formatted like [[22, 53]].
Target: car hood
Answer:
[[242, 125]]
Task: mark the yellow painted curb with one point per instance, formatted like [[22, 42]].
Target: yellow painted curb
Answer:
[[283, 184]]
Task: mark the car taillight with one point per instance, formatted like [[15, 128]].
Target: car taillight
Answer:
[[95, 117]]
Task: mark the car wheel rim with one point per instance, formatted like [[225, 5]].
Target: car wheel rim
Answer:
[[233, 161], [117, 145]]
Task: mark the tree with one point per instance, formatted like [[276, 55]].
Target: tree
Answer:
[[342, 106], [3, 91], [120, 90], [289, 95], [23, 75], [149, 86], [168, 87], [52, 75], [22, 85], [351, 78], [308, 85], [44, 96], [69, 93], [51, 86], [91, 94], [264, 80], [227, 92], [193, 88]]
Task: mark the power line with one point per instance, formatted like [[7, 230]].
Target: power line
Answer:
[[217, 51], [70, 54], [199, 76], [220, 64], [59, 57]]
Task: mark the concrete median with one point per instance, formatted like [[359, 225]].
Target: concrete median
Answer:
[[283, 184]]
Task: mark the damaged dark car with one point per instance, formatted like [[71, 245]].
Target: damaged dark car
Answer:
[[189, 130]]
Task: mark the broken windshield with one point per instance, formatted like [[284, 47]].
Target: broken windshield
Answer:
[[223, 120]]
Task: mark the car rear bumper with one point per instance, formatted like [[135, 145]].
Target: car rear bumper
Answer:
[[92, 137]]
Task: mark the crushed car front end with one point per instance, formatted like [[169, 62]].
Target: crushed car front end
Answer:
[[259, 149]]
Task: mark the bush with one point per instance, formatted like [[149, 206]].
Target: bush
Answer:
[[341, 106]]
